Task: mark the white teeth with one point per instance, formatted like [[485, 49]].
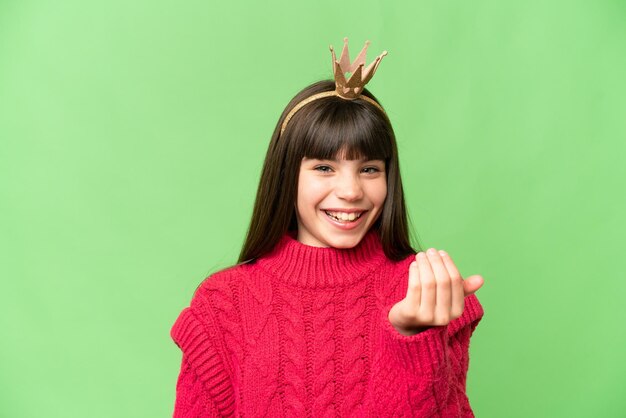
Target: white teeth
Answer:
[[343, 216]]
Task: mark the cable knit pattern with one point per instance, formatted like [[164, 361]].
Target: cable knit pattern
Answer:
[[356, 346], [292, 350], [303, 331]]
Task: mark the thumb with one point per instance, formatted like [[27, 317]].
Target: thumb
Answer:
[[472, 284]]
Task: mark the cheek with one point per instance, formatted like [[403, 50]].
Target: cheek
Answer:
[[310, 193], [380, 193]]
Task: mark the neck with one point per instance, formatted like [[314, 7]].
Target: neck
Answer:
[[302, 265]]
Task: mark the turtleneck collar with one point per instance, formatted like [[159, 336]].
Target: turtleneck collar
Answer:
[[306, 266]]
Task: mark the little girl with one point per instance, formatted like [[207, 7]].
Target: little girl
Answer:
[[330, 311]]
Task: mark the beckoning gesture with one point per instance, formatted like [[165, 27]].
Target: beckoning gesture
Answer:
[[435, 295]]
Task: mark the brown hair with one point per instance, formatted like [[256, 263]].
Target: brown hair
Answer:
[[321, 129]]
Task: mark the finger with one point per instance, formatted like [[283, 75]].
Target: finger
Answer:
[[414, 289], [429, 290], [472, 284], [456, 286], [444, 295]]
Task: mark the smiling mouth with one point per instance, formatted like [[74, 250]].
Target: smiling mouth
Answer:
[[343, 216]]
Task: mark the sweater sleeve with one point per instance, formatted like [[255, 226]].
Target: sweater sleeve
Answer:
[[424, 373], [204, 386], [192, 400]]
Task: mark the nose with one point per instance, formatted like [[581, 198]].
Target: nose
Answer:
[[348, 187]]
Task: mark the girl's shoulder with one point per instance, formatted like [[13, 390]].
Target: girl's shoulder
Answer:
[[220, 281], [216, 293], [226, 283]]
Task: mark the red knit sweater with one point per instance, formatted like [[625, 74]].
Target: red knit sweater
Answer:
[[304, 331]]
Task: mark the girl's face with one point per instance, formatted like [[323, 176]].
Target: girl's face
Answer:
[[339, 200]]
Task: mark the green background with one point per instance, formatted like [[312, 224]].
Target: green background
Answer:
[[132, 136]]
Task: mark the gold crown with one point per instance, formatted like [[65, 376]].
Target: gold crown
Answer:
[[352, 88], [346, 89]]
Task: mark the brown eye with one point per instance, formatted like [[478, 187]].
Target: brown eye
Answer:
[[323, 168], [371, 170]]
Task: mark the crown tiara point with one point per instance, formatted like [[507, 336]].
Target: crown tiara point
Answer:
[[360, 74]]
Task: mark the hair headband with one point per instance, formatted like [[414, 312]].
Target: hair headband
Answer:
[[346, 89]]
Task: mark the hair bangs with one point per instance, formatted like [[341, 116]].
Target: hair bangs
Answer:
[[350, 130]]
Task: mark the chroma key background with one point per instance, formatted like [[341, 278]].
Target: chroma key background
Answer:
[[132, 136]]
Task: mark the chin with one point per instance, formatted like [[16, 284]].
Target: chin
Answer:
[[345, 242]]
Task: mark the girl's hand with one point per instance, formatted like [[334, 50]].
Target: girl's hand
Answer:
[[435, 294]]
